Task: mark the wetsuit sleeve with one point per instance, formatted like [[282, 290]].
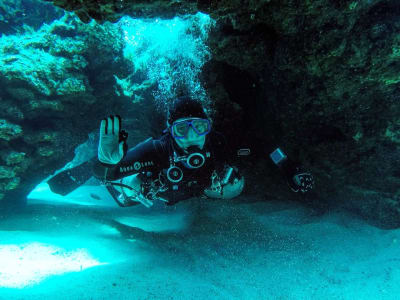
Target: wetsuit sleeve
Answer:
[[147, 156]]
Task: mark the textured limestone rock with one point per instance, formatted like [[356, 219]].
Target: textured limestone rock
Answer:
[[16, 13], [13, 158], [47, 95], [113, 10], [6, 172], [24, 62], [9, 131]]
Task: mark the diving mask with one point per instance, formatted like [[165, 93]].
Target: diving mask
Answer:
[[180, 129]]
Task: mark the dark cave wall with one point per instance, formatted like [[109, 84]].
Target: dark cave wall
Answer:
[[322, 84]]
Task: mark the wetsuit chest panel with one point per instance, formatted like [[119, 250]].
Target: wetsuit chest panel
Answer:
[[152, 159]]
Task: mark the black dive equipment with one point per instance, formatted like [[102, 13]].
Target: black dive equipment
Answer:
[[243, 152], [304, 182], [68, 180], [193, 160], [174, 174], [123, 136], [227, 176], [149, 189], [297, 178]]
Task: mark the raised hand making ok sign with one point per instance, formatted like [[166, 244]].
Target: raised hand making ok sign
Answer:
[[112, 145]]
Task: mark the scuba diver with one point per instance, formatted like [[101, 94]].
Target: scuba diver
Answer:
[[190, 159]]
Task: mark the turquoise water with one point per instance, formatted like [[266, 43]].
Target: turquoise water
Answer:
[[82, 246]]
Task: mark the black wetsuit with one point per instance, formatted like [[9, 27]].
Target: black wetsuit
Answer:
[[151, 159]]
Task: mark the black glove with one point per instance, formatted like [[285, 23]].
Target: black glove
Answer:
[[297, 178], [301, 182]]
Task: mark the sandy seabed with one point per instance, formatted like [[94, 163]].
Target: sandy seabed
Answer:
[[197, 249]]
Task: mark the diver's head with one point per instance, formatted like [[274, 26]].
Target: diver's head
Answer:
[[188, 123]]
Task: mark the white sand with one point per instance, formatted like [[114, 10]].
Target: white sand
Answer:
[[200, 250]]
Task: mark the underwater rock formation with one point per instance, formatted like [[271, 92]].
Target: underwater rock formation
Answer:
[[320, 78], [16, 13], [48, 88], [113, 10]]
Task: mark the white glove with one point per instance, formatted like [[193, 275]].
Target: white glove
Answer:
[[230, 186], [112, 141]]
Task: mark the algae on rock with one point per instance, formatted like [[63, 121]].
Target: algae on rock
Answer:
[[46, 78]]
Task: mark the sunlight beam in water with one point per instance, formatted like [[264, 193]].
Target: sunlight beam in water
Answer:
[[28, 264]]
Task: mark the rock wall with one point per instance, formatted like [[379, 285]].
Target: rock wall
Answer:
[[16, 13], [112, 11], [319, 78], [50, 97]]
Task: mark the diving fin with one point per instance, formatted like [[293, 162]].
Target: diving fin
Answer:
[[70, 179]]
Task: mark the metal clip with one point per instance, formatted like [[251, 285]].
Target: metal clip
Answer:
[[243, 152]]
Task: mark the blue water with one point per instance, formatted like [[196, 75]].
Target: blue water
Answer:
[[239, 249]]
